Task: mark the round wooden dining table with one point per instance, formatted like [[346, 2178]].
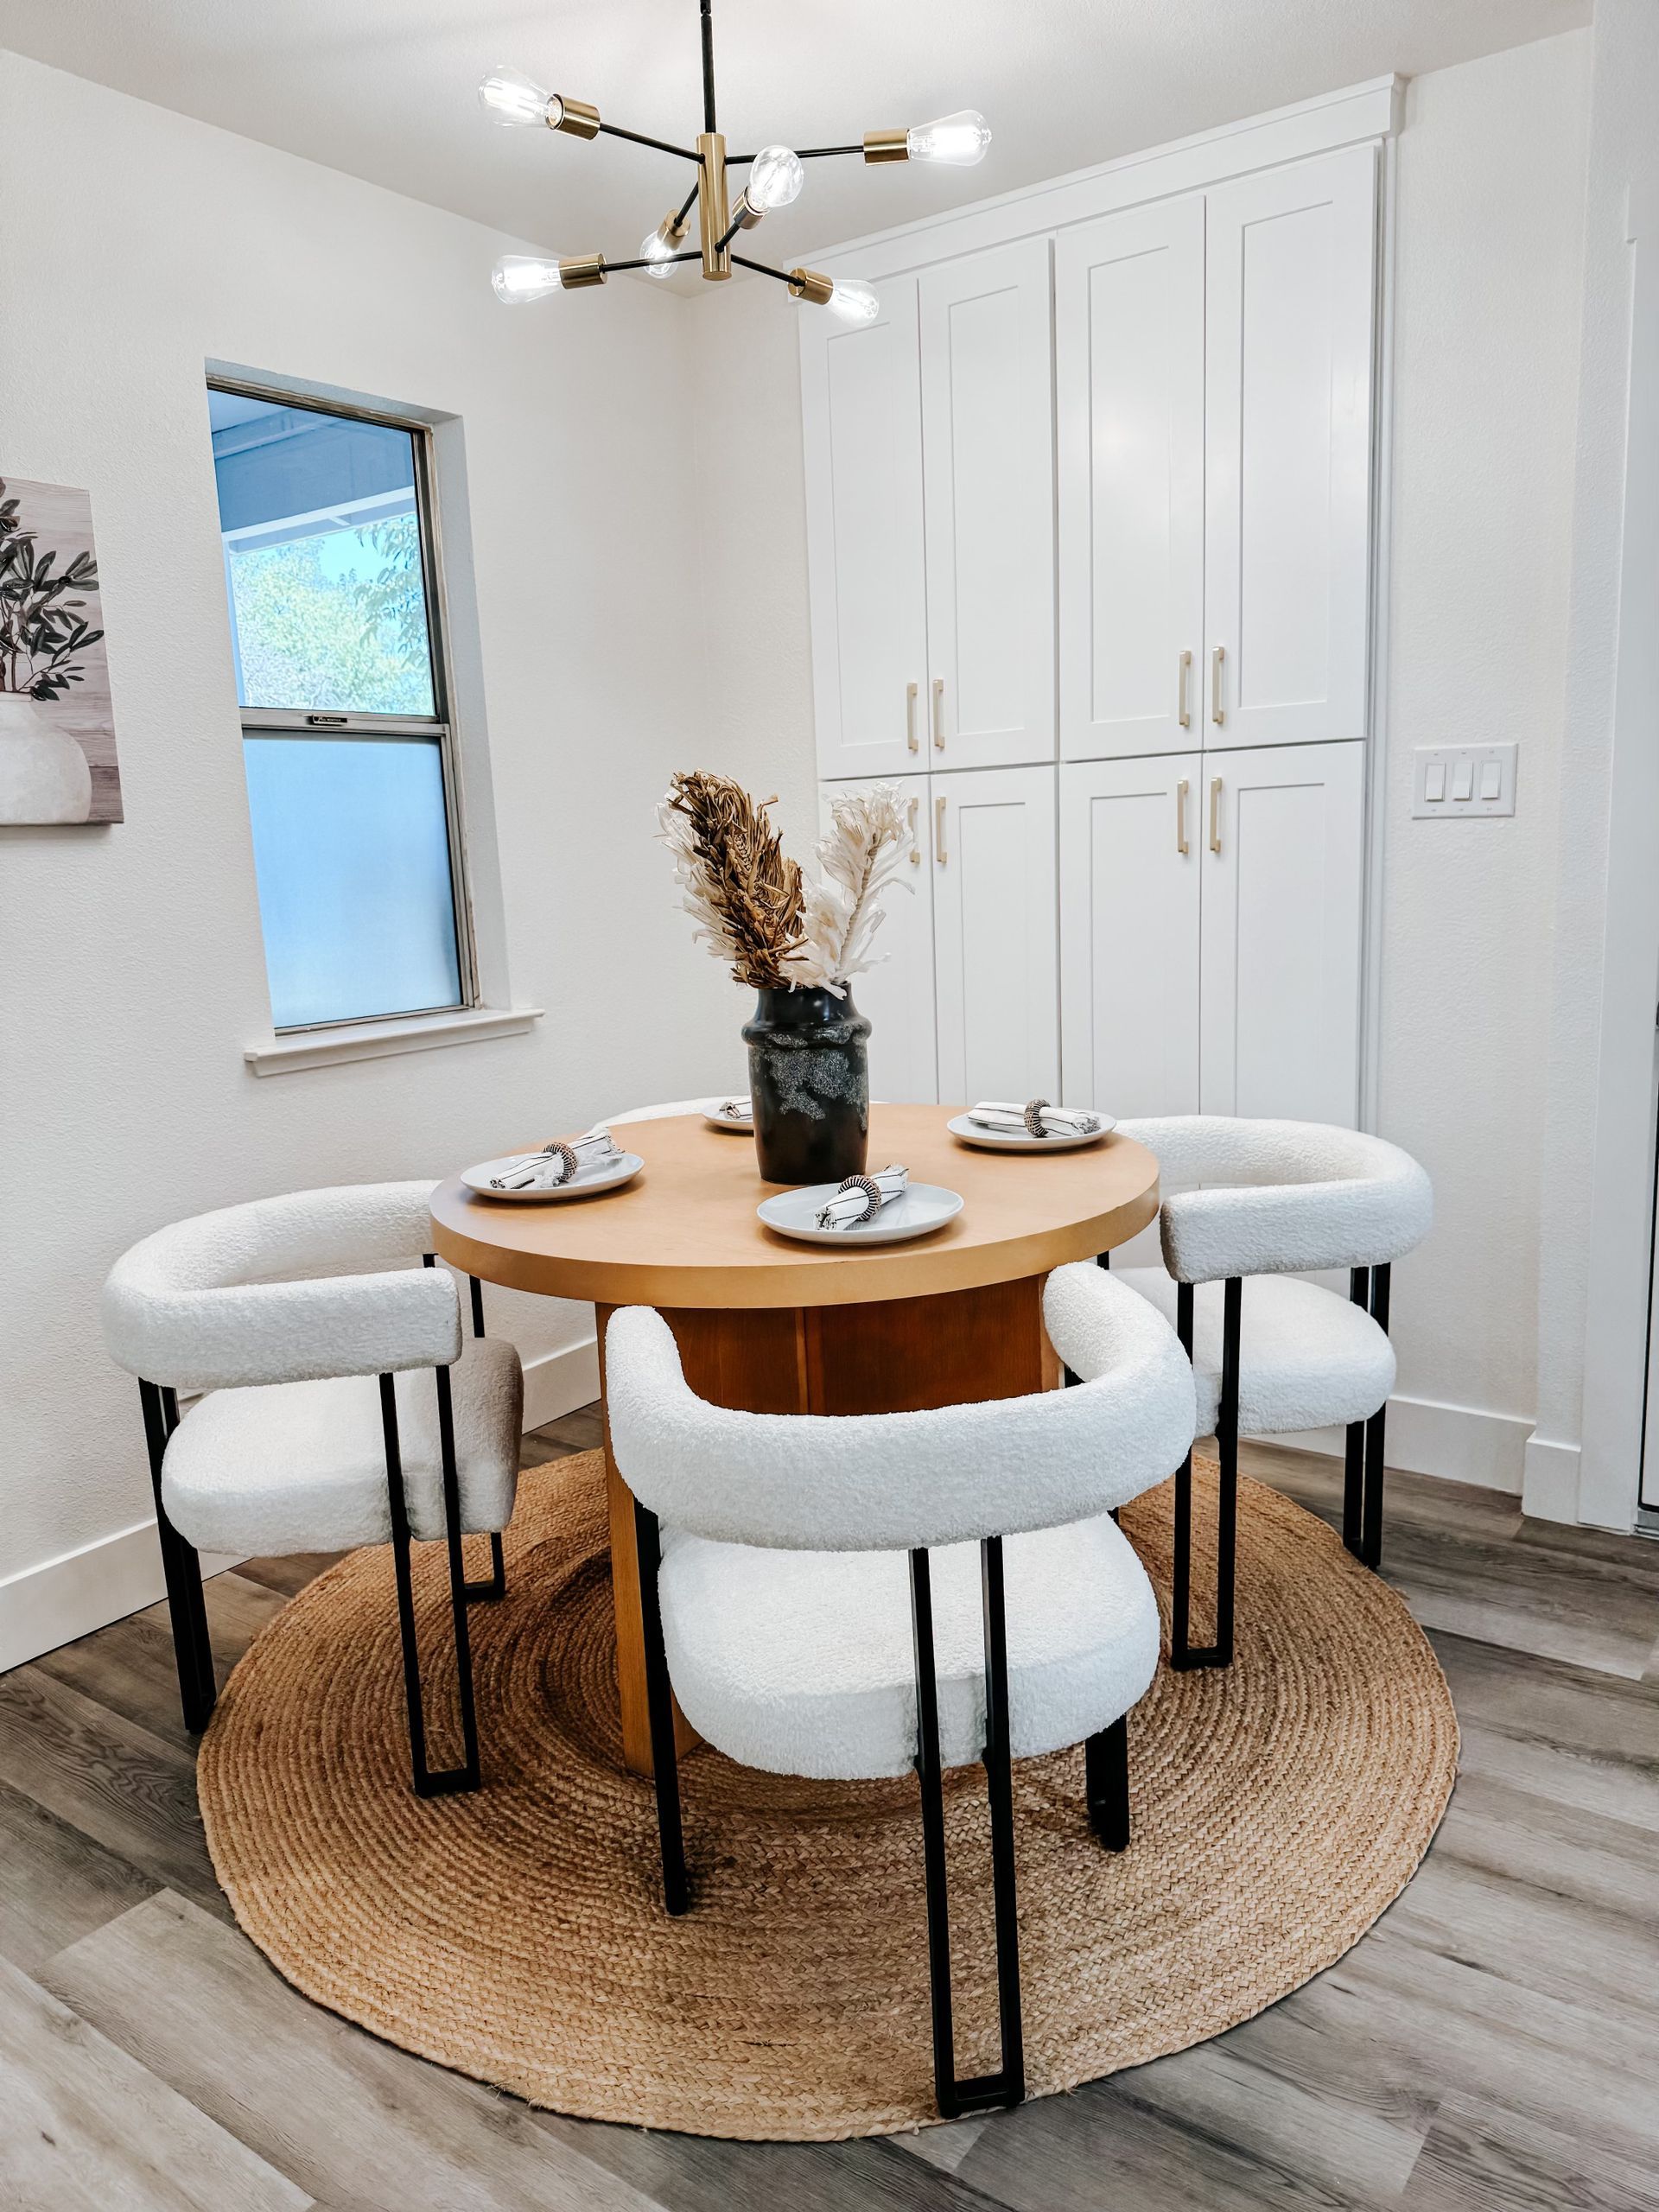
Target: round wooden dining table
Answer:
[[766, 1325]]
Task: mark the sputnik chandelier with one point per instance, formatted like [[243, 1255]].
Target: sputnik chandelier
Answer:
[[775, 178]]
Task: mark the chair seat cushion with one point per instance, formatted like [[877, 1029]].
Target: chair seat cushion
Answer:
[[1307, 1357], [301, 1466], [801, 1662]]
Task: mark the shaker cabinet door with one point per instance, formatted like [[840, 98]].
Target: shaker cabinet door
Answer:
[[897, 992], [861, 411], [1129, 333], [987, 443], [994, 959], [1282, 870], [1290, 256], [1131, 834]]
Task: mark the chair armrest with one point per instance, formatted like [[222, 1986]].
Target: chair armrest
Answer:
[[1287, 1229], [232, 1336]]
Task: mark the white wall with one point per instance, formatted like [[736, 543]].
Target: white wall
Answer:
[[1599, 1128], [135, 246], [1489, 212]]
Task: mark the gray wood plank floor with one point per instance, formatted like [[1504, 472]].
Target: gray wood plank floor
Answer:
[[1488, 2047]]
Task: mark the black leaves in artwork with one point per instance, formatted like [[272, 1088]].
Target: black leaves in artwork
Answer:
[[43, 626]]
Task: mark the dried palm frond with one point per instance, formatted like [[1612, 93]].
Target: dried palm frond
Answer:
[[860, 856], [739, 888]]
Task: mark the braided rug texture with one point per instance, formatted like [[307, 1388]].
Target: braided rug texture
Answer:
[[517, 1934]]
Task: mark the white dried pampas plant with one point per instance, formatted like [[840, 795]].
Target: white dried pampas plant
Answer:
[[860, 856]]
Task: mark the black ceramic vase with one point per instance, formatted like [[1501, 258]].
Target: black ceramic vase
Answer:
[[809, 1082]]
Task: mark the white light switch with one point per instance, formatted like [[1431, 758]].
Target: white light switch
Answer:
[[1463, 779]]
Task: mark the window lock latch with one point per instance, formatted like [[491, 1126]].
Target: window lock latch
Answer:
[[326, 722]]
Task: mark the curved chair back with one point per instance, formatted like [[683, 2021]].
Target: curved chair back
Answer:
[[1280, 1197], [212, 1303], [891, 1482]]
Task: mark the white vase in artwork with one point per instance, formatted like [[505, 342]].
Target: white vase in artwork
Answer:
[[43, 772]]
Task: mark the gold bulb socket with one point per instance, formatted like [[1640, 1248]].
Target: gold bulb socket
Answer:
[[671, 229], [747, 215], [886, 145], [580, 270], [808, 285], [577, 118]]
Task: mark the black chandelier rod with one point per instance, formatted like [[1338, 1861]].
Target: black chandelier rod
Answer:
[[611, 267], [761, 269], [709, 123], [638, 138]]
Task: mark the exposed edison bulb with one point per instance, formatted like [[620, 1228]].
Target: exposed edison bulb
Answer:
[[655, 249], [509, 96], [957, 141], [520, 278], [853, 301], [776, 176]]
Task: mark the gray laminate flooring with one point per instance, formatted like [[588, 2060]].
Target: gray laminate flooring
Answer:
[[1492, 2046]]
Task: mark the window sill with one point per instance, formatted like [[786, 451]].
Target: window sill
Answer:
[[380, 1041]]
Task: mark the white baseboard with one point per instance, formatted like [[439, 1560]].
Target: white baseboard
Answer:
[[558, 1382], [69, 1597], [1551, 1490], [1462, 1444], [83, 1590]]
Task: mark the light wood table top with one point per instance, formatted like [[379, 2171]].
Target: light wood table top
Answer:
[[684, 1233]]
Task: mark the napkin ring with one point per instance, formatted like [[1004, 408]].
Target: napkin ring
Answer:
[[1034, 1117], [872, 1195], [571, 1163]]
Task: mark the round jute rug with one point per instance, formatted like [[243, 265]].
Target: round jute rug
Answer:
[[515, 1935]]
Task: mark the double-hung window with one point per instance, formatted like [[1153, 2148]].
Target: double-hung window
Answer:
[[336, 623]]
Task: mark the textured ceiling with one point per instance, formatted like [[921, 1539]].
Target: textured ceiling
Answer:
[[384, 89]]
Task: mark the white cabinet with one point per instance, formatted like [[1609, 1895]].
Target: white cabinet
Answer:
[[1290, 256], [987, 449], [897, 993], [995, 954], [1279, 988], [1128, 331], [1131, 836], [861, 411]]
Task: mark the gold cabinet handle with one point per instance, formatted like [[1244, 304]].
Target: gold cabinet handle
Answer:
[[911, 738], [938, 714], [938, 831], [1183, 712], [1218, 712], [1215, 813], [1180, 814], [915, 806]]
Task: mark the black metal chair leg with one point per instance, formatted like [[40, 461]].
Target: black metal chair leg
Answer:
[[1371, 1543], [1184, 1654], [181, 1571], [478, 1305], [983, 2092], [428, 1781], [1106, 1784], [1353, 1472], [660, 1708], [496, 1585]]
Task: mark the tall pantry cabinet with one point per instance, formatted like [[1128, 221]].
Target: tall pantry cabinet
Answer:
[[1090, 528]]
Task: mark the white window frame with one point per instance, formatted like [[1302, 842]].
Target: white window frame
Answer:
[[299, 724]]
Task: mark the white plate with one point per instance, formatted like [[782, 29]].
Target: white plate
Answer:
[[924, 1208], [1012, 1140], [583, 1184], [724, 1121]]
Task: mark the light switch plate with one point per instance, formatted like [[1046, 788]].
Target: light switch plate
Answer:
[[1473, 759]]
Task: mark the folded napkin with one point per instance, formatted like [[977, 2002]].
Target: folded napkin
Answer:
[[861, 1198], [732, 1109], [1039, 1119], [557, 1162]]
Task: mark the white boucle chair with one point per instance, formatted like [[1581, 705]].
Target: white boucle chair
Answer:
[[292, 1448], [774, 1595], [1273, 1199]]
